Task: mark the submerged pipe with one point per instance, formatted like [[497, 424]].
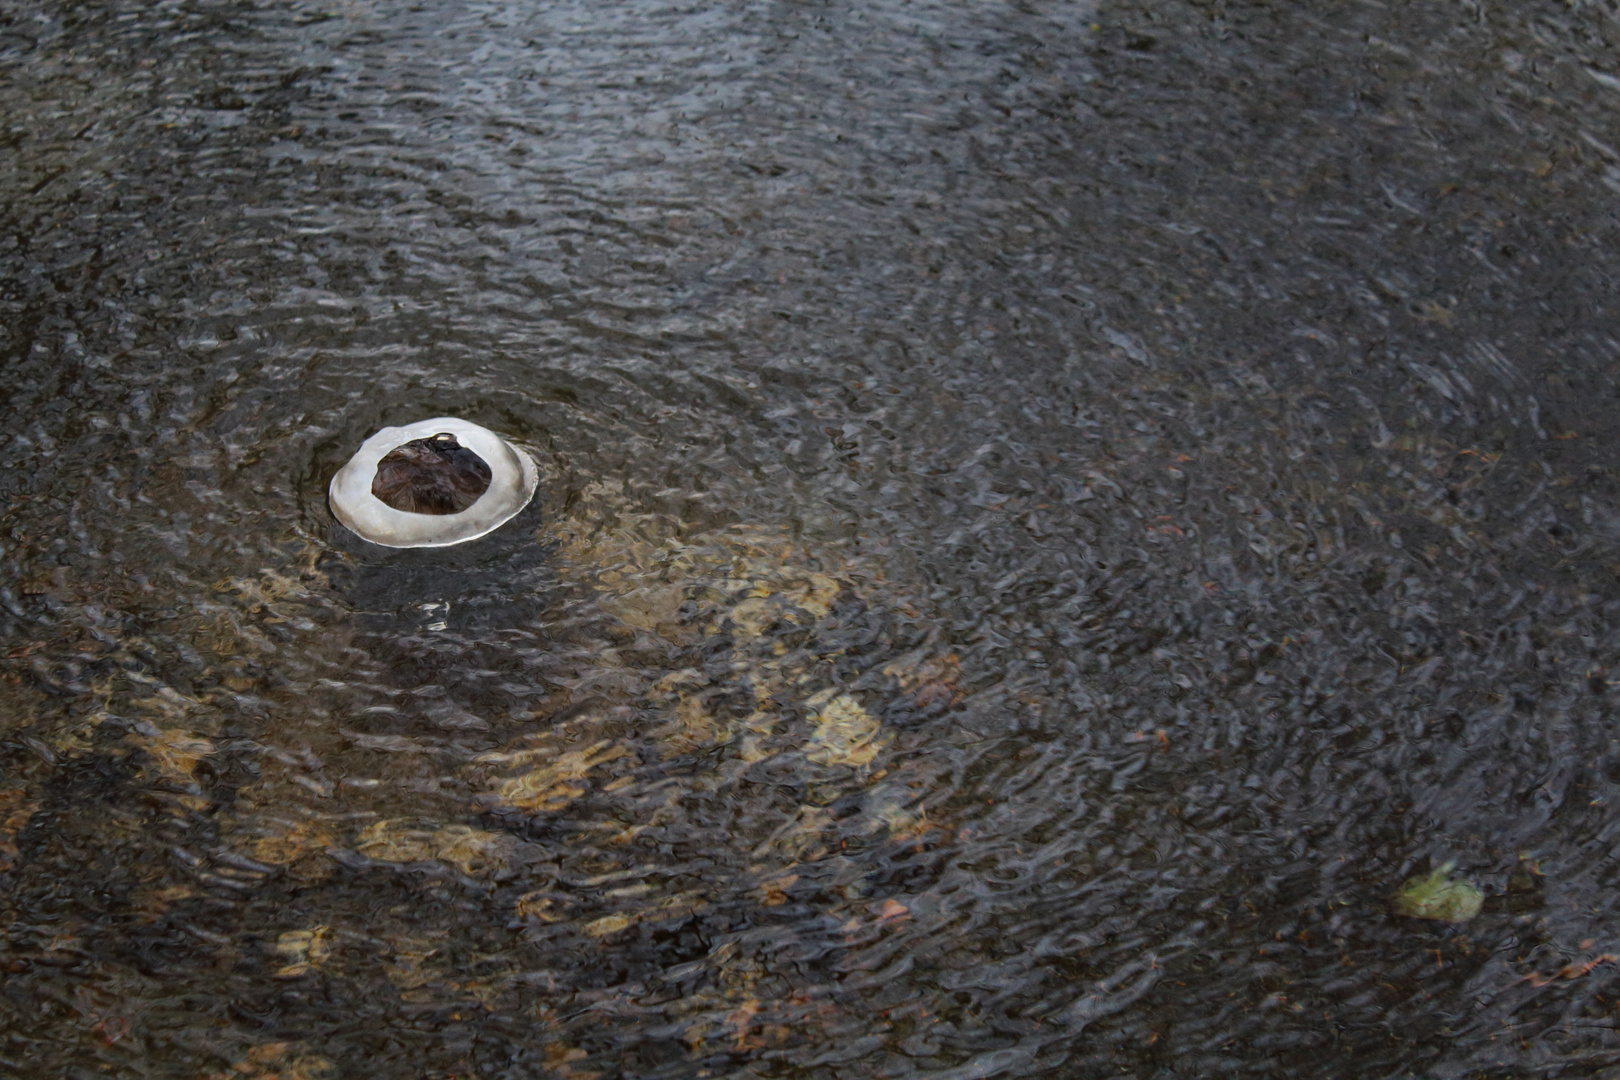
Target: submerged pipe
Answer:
[[432, 484]]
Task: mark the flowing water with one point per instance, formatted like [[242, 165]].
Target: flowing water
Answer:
[[1051, 513]]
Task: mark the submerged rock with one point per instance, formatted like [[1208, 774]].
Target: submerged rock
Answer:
[[1439, 896], [845, 733]]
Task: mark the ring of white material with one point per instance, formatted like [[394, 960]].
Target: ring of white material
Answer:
[[512, 483]]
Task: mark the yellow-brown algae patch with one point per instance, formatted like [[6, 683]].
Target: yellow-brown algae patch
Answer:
[[151, 904], [304, 950], [407, 968], [172, 753], [670, 685], [694, 726], [659, 908], [395, 841], [772, 599], [275, 1061], [424, 975], [679, 905], [749, 750], [845, 733], [549, 788], [800, 840], [171, 758], [74, 741], [751, 618], [896, 810], [543, 906], [739, 1020], [286, 599], [666, 810], [560, 1059], [541, 790], [647, 607], [472, 851], [815, 595], [284, 843], [734, 1016], [609, 924]]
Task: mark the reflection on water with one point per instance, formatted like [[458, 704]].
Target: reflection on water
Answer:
[[1052, 516]]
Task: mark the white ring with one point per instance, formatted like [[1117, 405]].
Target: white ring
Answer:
[[512, 483]]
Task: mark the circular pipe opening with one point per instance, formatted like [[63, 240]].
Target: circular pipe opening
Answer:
[[436, 475], [432, 484]]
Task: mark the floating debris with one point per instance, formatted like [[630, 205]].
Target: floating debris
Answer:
[[1439, 896]]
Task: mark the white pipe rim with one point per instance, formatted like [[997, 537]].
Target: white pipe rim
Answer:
[[512, 483]]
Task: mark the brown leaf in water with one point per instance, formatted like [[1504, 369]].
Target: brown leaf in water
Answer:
[[773, 893], [934, 682], [738, 1021], [436, 475]]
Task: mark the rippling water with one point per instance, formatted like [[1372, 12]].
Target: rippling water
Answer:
[[1051, 513]]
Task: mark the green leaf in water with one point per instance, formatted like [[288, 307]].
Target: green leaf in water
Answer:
[[1439, 896]]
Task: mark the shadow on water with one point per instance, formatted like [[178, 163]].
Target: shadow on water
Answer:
[[1051, 514]]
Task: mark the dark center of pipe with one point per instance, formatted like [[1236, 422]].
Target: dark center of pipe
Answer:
[[436, 475]]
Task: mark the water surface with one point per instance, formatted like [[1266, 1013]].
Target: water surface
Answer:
[[1051, 513]]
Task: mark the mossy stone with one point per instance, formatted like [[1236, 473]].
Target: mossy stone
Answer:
[[1439, 896]]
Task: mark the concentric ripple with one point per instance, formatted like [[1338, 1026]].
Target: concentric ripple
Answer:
[[1052, 514]]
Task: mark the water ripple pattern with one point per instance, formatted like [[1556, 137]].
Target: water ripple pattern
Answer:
[[1053, 515]]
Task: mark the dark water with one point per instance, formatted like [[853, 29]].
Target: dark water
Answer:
[[1051, 514]]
